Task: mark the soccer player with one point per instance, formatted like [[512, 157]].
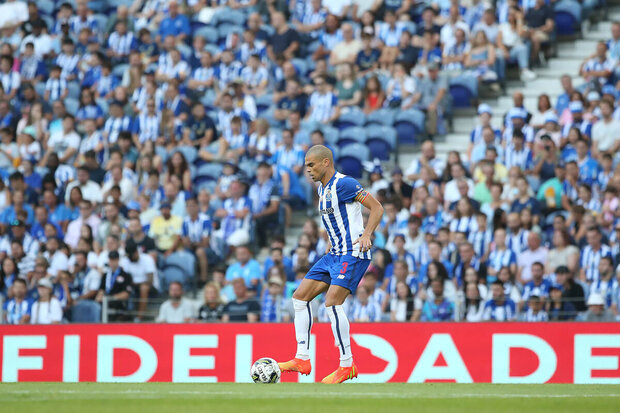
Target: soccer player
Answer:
[[338, 272]]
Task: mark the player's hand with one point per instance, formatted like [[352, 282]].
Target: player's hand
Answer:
[[365, 243]]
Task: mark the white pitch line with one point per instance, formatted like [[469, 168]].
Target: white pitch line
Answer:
[[291, 395]]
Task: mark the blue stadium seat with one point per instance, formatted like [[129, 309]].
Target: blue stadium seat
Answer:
[[212, 48], [331, 134], [189, 153], [565, 23], [264, 102], [229, 16], [102, 20], [211, 170], [381, 141], [209, 33], [351, 135], [409, 125], [352, 117], [351, 158], [74, 90], [172, 273], [86, 311], [119, 70], [46, 7], [195, 25], [184, 260], [383, 116], [225, 29], [72, 105], [301, 66], [463, 89]]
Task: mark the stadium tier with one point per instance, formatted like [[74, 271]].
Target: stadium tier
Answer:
[[153, 158]]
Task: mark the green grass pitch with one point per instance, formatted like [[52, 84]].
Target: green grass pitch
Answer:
[[316, 398]]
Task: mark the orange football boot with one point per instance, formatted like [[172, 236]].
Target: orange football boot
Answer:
[[296, 365], [341, 374]]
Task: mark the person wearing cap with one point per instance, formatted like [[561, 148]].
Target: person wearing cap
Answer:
[[485, 113], [117, 286], [65, 143], [47, 309], [550, 127], [166, 230], [558, 308], [273, 305], [399, 188], [18, 233], [517, 117], [576, 110], [597, 310], [143, 273], [606, 132]]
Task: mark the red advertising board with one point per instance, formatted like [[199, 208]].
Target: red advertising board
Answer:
[[384, 352]]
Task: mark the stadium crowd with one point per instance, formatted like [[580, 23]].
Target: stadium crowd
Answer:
[[152, 147]]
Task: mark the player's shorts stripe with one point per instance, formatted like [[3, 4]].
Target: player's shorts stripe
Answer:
[[338, 328], [309, 322]]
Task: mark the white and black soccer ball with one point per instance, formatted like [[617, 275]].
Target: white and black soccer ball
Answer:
[[265, 370]]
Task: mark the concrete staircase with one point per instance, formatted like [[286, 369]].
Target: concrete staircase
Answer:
[[570, 56]]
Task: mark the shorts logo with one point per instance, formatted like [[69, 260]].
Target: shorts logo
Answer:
[[341, 277], [327, 211]]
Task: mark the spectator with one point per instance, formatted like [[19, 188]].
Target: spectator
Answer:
[[47, 309], [499, 307], [539, 20], [474, 303], [402, 306], [437, 308], [273, 304], [596, 310], [592, 254], [265, 203], [605, 131], [364, 307], [558, 308], [166, 230], [242, 308], [245, 268], [117, 287], [141, 267], [571, 291], [535, 311], [534, 253], [176, 309], [213, 307], [17, 310], [430, 97]]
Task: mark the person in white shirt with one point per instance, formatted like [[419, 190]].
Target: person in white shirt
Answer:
[[143, 272], [124, 183], [57, 258], [176, 309], [605, 132], [64, 143], [47, 309], [90, 189], [72, 236], [534, 253]]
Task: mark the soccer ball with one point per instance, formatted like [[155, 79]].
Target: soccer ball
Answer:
[[265, 370]]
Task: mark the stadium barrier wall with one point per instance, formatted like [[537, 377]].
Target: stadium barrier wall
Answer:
[[384, 352]]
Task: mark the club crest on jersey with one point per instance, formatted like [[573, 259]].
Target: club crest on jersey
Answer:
[[328, 193]]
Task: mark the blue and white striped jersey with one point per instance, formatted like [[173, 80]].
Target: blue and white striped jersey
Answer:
[[322, 106], [147, 127], [371, 311], [113, 126], [590, 259], [341, 212], [122, 44], [197, 229], [56, 87], [521, 158], [69, 64], [15, 311], [505, 311], [501, 258]]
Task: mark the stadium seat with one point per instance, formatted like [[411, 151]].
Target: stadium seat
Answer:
[[209, 33], [225, 29], [381, 141], [184, 260], [72, 105], [49, 21], [301, 66], [102, 20], [74, 90], [212, 48], [229, 16], [352, 135], [331, 134], [119, 70], [565, 23], [172, 273], [189, 153], [264, 102], [352, 117], [211, 170], [383, 116], [409, 124], [46, 7], [196, 25], [86, 311], [351, 158], [40, 88]]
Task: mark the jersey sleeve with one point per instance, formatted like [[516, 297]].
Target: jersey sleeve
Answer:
[[349, 190]]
